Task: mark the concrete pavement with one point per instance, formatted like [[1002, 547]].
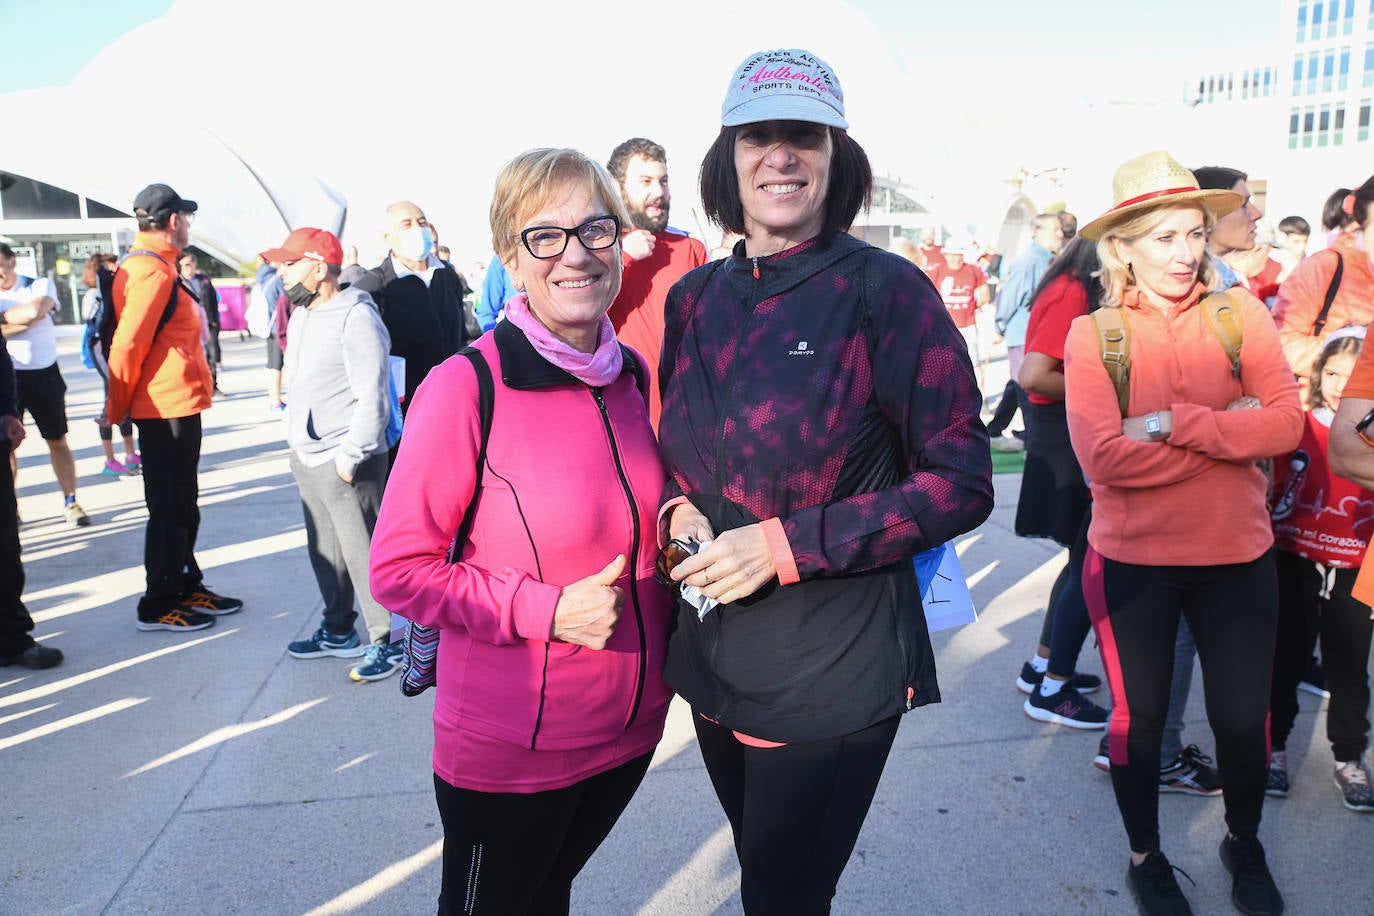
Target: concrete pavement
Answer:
[[212, 773]]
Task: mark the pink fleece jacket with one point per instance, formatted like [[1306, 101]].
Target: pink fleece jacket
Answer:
[[516, 711]]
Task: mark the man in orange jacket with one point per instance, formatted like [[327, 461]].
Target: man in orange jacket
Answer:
[[159, 378]]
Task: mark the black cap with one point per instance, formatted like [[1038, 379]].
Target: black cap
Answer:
[[158, 201]]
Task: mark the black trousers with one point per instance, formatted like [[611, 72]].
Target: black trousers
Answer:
[[171, 459], [795, 810], [508, 852], [1232, 611], [1317, 598], [15, 622]]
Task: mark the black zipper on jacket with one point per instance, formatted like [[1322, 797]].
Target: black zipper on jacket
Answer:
[[730, 382], [633, 558]]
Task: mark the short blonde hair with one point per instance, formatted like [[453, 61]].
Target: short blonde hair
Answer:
[[1116, 273], [532, 180]]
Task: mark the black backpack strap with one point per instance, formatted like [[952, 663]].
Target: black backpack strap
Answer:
[[636, 370], [486, 406], [1331, 289]]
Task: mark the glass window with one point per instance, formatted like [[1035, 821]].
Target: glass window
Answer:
[[1318, 9], [1324, 126], [1302, 18], [1338, 133], [1328, 70], [1294, 119], [96, 210], [1369, 65], [1333, 12], [1297, 70], [1312, 63], [25, 198], [1309, 125], [1362, 134], [1344, 80], [1348, 20]]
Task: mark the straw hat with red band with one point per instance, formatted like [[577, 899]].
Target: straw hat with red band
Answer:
[[1152, 180], [311, 244]]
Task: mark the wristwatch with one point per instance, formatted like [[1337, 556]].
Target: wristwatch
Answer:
[[1362, 428], [1154, 429]]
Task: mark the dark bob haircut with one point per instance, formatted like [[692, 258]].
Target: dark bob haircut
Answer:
[[850, 189]]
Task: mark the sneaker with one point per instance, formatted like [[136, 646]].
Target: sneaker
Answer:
[[1191, 773], [178, 619], [1007, 444], [134, 463], [1067, 707], [1276, 783], [202, 599], [324, 643], [1314, 680], [1103, 761], [278, 407], [1353, 780], [383, 660], [114, 468], [1155, 889], [35, 656], [1252, 887], [1030, 679], [76, 516]]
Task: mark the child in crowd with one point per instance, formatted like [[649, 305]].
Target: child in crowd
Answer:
[[1322, 525]]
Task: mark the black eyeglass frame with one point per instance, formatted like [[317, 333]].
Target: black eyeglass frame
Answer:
[[568, 233]]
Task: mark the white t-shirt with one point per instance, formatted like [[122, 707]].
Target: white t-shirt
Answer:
[[35, 348]]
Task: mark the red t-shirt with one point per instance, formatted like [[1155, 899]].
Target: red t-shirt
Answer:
[[1051, 314], [637, 312], [957, 288], [1265, 284], [1317, 515]]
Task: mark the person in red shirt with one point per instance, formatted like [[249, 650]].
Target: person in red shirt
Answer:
[[655, 255], [932, 255], [964, 289]]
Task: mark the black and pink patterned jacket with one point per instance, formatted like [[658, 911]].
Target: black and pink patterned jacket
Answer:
[[774, 412]]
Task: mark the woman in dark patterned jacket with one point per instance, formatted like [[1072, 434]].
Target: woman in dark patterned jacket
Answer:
[[820, 425]]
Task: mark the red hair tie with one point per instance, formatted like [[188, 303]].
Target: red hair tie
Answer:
[[1348, 205]]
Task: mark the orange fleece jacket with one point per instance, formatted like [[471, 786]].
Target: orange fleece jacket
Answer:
[[155, 374], [1197, 498], [1300, 299]]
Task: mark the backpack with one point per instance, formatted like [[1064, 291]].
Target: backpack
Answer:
[[1114, 340], [420, 645], [100, 327], [1331, 289]]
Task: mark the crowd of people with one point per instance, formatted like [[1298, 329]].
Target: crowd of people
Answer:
[[761, 442]]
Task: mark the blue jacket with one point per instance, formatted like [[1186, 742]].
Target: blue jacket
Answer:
[[1014, 299], [497, 288]]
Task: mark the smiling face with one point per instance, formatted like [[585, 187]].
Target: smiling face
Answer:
[[1166, 258], [645, 192], [570, 292], [783, 169]]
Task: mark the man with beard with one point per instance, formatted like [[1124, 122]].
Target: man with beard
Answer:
[[656, 255]]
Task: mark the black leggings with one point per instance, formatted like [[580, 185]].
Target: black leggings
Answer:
[[795, 811], [508, 852], [1066, 621], [1232, 611], [1315, 598]]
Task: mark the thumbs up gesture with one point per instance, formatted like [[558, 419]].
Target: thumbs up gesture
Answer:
[[589, 609]]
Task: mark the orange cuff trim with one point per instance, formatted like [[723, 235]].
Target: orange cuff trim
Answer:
[[663, 514], [781, 550]]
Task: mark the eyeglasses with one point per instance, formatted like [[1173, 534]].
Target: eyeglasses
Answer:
[[546, 242], [673, 553], [188, 217]]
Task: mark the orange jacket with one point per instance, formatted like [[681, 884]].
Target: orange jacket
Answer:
[[1300, 299], [1197, 498], [155, 374]]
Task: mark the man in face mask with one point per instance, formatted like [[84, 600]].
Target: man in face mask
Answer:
[[655, 255], [336, 369], [420, 300]]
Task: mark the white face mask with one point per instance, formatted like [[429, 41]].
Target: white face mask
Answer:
[[415, 243]]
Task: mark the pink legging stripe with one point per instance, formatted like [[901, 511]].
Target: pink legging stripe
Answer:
[[1095, 594]]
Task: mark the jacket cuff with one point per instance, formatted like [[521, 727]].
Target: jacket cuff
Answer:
[[532, 610], [781, 550], [664, 514]]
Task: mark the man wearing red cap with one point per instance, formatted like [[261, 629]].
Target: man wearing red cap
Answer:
[[159, 378], [336, 367]]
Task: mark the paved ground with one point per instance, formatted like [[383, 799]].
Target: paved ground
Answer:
[[212, 773]]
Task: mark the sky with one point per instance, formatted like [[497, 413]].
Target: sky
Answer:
[[949, 102]]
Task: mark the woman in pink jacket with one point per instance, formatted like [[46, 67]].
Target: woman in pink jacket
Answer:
[[550, 700]]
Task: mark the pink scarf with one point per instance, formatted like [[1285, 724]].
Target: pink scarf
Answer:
[[598, 368]]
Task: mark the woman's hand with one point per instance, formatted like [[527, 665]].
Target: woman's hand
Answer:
[[686, 523], [733, 566], [588, 610], [1245, 402]]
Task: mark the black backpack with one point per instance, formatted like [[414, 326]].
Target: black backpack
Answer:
[[101, 325]]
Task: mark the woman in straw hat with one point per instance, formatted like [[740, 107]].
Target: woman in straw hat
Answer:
[[1185, 429], [820, 426]]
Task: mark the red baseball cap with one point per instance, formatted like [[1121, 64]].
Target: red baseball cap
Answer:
[[315, 244]]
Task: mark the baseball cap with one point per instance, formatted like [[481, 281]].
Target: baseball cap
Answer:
[[784, 85], [158, 201], [314, 244]]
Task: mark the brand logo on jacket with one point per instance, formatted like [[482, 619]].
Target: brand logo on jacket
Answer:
[[803, 349]]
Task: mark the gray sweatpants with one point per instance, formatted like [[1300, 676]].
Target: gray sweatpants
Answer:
[[339, 518]]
